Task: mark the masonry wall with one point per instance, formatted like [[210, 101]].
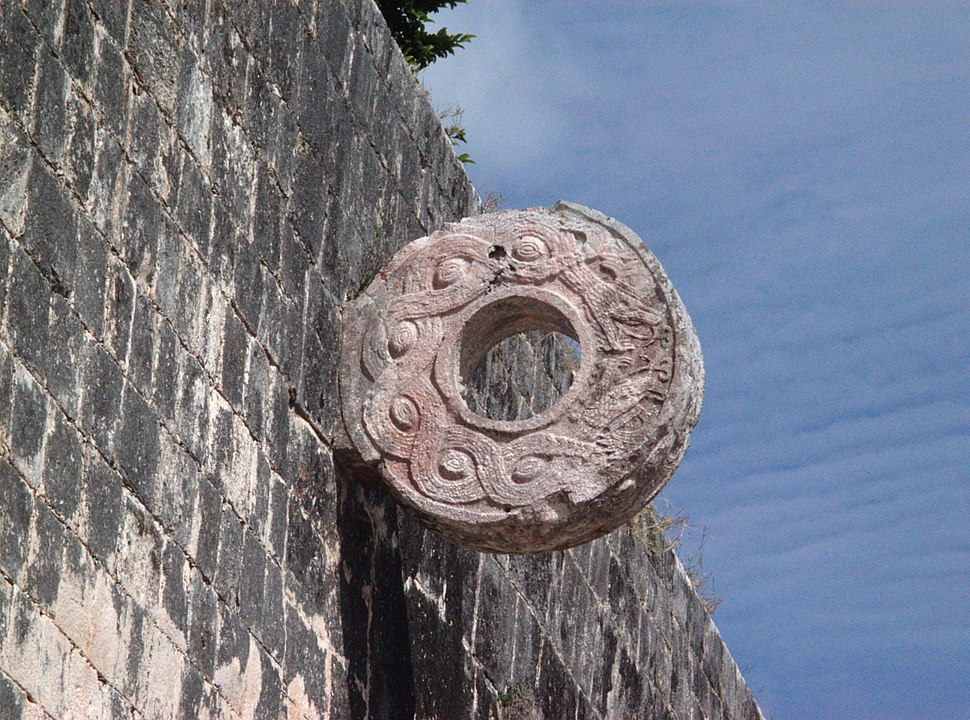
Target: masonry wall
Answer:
[[188, 192]]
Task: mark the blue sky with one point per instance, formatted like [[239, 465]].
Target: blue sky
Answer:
[[802, 170]]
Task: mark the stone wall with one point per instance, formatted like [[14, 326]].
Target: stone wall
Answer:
[[188, 192]]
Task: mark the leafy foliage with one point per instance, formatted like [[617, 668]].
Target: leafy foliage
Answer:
[[408, 20], [451, 122]]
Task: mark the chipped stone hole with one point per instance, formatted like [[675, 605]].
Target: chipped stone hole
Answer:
[[518, 357]]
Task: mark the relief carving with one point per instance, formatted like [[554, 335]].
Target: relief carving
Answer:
[[569, 474]]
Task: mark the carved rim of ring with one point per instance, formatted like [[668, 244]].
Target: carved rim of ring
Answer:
[[559, 478]]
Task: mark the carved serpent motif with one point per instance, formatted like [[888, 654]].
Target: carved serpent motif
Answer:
[[564, 476]]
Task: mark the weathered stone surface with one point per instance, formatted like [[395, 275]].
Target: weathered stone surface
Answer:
[[569, 474]]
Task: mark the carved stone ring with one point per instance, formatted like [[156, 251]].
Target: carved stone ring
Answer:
[[570, 473]]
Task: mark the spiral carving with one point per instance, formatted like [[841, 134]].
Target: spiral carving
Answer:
[[569, 474]]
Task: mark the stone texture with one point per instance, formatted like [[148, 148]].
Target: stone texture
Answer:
[[569, 474], [179, 534]]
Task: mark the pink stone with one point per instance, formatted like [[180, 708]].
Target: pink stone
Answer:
[[569, 474]]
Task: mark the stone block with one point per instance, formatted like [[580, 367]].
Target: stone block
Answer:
[[77, 43], [138, 560], [103, 383], [17, 62], [44, 556], [15, 162], [138, 241], [113, 95], [193, 406], [63, 469], [193, 205], [210, 518], [28, 427], [203, 625], [229, 565], [51, 115], [227, 60], [141, 351], [27, 312], [107, 198], [121, 293], [136, 445], [63, 360], [102, 509], [16, 512], [252, 581], [165, 386], [157, 53], [174, 601], [235, 343]]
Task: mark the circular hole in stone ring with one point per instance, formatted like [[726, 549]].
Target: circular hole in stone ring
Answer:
[[535, 338]]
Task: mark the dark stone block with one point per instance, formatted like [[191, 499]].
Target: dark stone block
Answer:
[[134, 667], [29, 422], [441, 679], [11, 699], [193, 412], [249, 283], [496, 616], [155, 49], [278, 503], [139, 237], [165, 387], [272, 626], [260, 109], [235, 344], [556, 694], [302, 655], [50, 114], [308, 201], [136, 445], [203, 624], [173, 594], [278, 430], [62, 469], [230, 557], [194, 203], [251, 582], [120, 294], [272, 700], [90, 269], [50, 229], [62, 368], [103, 500], [210, 511], [294, 263], [16, 510], [46, 16], [112, 90], [103, 385], [233, 640], [257, 387], [267, 221], [192, 688], [78, 160], [142, 353], [17, 60], [44, 562], [259, 512], [6, 382], [77, 41], [227, 60]]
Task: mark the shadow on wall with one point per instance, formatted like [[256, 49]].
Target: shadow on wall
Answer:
[[373, 610]]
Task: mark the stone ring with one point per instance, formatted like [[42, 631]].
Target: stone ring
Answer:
[[569, 473]]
